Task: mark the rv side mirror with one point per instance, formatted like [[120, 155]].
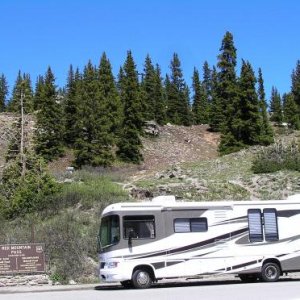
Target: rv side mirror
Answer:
[[131, 235]]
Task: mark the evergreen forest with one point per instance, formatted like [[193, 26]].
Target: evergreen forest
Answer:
[[101, 117]]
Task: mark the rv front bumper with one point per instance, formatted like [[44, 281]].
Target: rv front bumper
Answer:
[[114, 271]]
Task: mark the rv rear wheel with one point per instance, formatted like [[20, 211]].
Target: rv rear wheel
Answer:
[[270, 272], [141, 279]]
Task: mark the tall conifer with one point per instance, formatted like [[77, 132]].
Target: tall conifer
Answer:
[[70, 108], [296, 84], [148, 89], [22, 87], [200, 104], [159, 96], [227, 93], [50, 127], [267, 135], [94, 143], [216, 112], [178, 108], [129, 143], [247, 124], [111, 103]]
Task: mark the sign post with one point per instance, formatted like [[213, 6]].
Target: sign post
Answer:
[[22, 258]]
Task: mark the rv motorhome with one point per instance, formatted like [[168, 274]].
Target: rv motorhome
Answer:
[[143, 242]]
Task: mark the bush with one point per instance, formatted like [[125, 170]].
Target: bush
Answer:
[[279, 156], [21, 194], [89, 191]]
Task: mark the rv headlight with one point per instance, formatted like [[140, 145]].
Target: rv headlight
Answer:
[[112, 264]]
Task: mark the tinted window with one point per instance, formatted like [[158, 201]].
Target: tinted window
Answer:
[[141, 227], [190, 225]]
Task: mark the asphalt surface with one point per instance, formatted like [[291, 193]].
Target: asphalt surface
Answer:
[[206, 280]]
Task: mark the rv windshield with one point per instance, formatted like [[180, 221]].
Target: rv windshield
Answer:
[[109, 231]]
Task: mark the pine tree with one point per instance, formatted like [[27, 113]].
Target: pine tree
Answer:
[[159, 96], [276, 107], [247, 124], [267, 134], [129, 143], [70, 107], [216, 113], [38, 93], [178, 108], [227, 94], [207, 86], [110, 98], [3, 92], [22, 87], [200, 104], [207, 80], [148, 89], [296, 84], [94, 122], [120, 81], [290, 111], [50, 130]]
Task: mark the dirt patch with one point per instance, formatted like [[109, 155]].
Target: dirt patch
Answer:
[[179, 144]]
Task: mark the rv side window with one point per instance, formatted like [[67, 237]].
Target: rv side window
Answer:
[[141, 227], [270, 223], [190, 225], [255, 225]]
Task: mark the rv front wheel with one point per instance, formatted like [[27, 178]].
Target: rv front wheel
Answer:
[[270, 272], [141, 279]]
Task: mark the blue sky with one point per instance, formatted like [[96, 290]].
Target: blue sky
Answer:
[[37, 33]]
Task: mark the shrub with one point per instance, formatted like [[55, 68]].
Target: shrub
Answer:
[[279, 156], [28, 193]]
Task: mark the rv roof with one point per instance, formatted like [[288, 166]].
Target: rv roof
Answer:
[[163, 203]]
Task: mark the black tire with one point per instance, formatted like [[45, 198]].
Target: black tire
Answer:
[[270, 272], [127, 284], [248, 278], [141, 279]]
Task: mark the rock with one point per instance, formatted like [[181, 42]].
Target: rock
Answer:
[[139, 193], [151, 128], [72, 282], [68, 180]]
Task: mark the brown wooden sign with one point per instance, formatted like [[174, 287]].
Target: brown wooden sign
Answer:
[[22, 258]]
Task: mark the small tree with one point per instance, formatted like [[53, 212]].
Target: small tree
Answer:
[[276, 107], [290, 111], [28, 192]]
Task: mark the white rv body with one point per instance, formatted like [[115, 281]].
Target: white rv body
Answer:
[[169, 239]]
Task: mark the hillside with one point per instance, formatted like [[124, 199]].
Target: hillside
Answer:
[[182, 161]]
